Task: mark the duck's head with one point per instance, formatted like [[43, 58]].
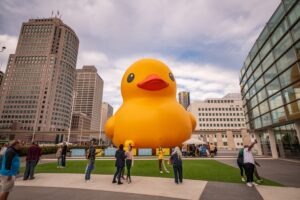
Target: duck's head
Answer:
[[148, 78]]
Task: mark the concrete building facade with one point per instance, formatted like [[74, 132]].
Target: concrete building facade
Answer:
[[221, 122], [106, 112], [270, 83], [39, 80], [80, 122], [184, 99], [89, 92]]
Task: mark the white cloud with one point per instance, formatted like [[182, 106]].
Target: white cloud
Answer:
[[202, 80], [10, 42], [113, 34]]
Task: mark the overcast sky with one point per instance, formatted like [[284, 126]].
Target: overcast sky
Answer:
[[204, 42]]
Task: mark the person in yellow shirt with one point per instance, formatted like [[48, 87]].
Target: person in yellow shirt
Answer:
[[161, 162]]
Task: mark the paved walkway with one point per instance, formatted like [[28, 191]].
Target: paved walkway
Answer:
[[281, 171], [72, 186]]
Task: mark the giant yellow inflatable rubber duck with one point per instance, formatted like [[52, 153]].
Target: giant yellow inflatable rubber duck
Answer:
[[150, 115]]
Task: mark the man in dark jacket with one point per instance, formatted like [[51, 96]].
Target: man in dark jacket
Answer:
[[33, 156], [120, 163], [64, 154]]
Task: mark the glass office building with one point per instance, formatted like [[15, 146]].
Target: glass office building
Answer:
[[270, 83]]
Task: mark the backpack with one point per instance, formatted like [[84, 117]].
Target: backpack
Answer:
[[240, 158]]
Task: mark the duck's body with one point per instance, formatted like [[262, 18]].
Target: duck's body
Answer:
[[152, 118]]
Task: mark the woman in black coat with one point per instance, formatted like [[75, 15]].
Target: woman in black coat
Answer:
[[120, 163]]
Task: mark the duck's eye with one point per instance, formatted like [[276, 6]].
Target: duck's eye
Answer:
[[171, 76], [130, 77]]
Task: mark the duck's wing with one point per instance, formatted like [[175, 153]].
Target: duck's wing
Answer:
[[193, 120], [109, 127]]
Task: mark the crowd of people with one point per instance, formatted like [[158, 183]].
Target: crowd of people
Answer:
[[10, 162], [200, 150]]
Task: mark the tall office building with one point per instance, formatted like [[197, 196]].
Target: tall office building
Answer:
[[270, 83], [1, 78], [106, 112], [184, 99], [221, 121], [89, 92], [40, 76]]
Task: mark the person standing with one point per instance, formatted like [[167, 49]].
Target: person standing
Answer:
[[249, 163], [161, 161], [129, 163], [91, 156], [184, 150], [176, 160], [9, 169], [2, 152], [120, 163], [240, 163], [33, 156], [64, 155], [58, 156]]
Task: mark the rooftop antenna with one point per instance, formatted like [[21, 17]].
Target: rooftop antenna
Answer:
[[52, 14]]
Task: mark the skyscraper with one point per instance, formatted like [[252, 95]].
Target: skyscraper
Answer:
[[89, 92], [40, 77], [184, 99]]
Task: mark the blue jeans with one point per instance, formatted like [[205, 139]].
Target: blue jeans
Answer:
[[29, 171], [89, 169]]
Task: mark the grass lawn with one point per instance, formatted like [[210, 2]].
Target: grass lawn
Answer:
[[210, 170]]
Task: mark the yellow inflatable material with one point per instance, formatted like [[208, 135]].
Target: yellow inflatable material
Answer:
[[150, 115]]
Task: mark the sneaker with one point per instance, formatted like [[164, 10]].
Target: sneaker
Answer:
[[120, 183], [161, 172], [167, 172], [255, 184], [249, 184], [114, 181], [243, 179]]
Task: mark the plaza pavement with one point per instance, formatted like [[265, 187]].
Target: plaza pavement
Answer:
[[73, 186], [286, 172]]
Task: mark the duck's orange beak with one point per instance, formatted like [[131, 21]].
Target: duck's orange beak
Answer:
[[153, 82]]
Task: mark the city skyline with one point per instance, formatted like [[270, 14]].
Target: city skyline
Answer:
[[180, 35]]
